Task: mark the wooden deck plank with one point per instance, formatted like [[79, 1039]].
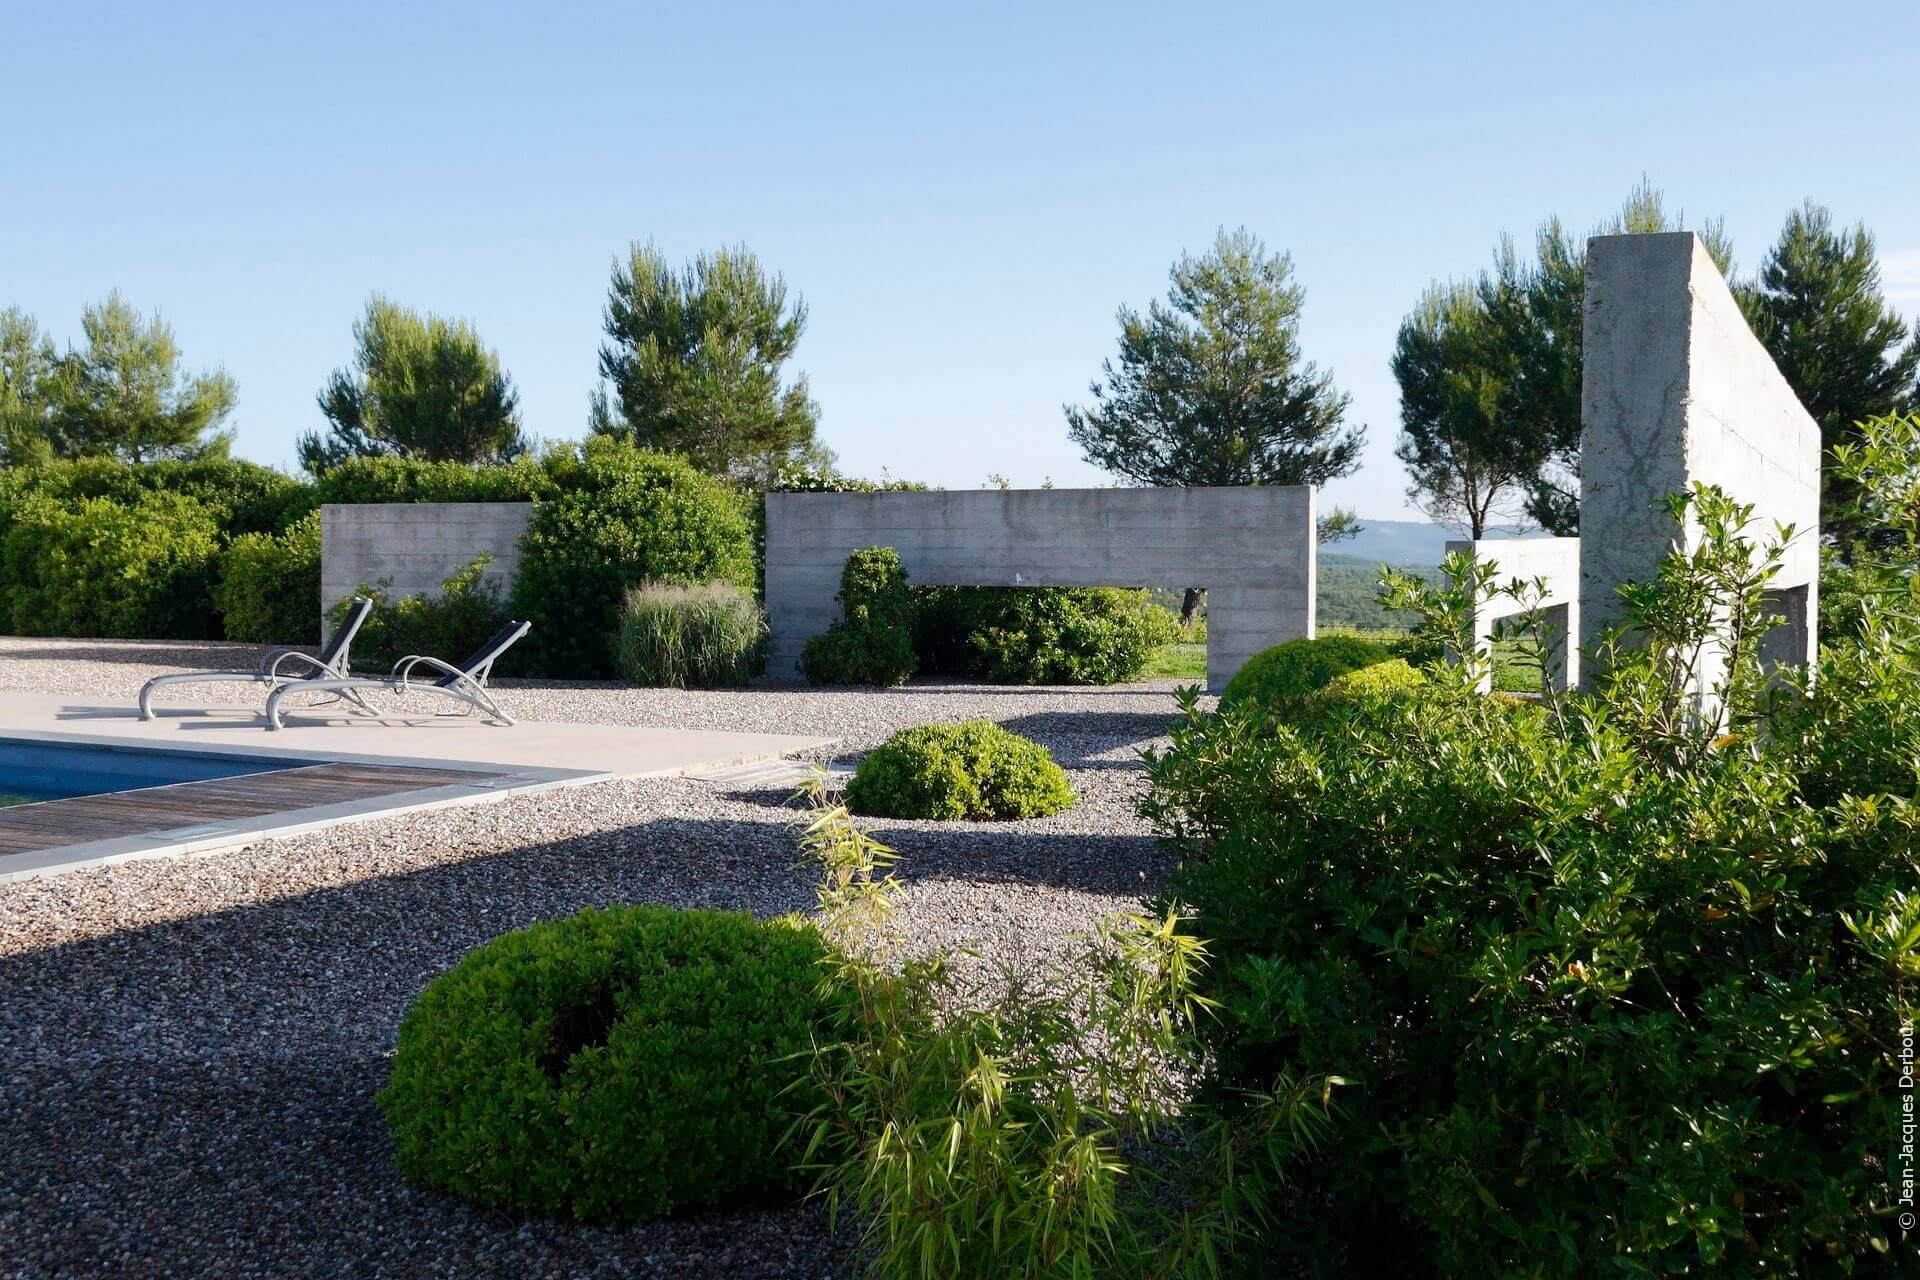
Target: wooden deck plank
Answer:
[[114, 815]]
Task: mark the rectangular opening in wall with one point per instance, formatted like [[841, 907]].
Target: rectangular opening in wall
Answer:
[[1785, 643]]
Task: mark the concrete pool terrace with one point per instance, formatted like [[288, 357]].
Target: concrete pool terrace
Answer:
[[335, 769]]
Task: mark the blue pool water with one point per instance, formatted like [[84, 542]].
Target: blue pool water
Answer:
[[32, 771]]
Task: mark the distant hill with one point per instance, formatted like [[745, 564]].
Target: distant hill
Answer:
[[1401, 542]]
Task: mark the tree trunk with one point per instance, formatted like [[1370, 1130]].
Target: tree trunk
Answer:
[[1190, 607]]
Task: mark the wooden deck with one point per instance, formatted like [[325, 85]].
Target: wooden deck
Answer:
[[51, 824]]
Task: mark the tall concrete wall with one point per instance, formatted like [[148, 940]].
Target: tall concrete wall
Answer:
[[1552, 563], [1252, 548], [418, 545], [1677, 390]]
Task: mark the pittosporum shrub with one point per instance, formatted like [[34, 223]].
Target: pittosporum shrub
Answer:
[[1278, 677], [269, 586], [974, 769], [872, 641], [709, 636], [142, 569], [628, 516], [388, 479], [1615, 986], [1041, 635], [449, 626], [615, 1066], [244, 497]]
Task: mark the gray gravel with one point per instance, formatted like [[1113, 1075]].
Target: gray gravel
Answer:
[[189, 1047]]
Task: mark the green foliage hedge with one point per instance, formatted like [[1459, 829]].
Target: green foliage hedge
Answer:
[[1041, 635], [629, 516], [616, 1066], [872, 641], [974, 769], [1596, 986], [95, 567], [269, 586], [387, 479], [712, 636], [1278, 677], [448, 625]]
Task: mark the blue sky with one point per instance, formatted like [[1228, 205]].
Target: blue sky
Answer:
[[963, 195]]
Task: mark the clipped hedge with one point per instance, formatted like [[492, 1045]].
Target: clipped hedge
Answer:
[[872, 641], [1041, 635], [974, 769], [269, 586], [1277, 677], [615, 1066], [142, 569], [244, 497], [631, 516], [383, 479]]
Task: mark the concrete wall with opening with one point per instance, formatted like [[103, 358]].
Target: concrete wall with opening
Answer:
[[1252, 548], [1553, 566]]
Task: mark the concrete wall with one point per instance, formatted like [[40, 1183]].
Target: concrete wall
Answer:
[[1252, 548], [1552, 562], [1677, 390], [418, 545]]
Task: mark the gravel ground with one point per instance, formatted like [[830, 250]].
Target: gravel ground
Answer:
[[189, 1047]]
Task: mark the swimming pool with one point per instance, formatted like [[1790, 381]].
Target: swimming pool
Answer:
[[33, 771]]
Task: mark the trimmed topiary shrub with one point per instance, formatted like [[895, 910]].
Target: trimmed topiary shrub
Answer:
[[1041, 635], [711, 636], [1276, 677], [974, 769], [631, 516], [1393, 678], [448, 626], [269, 587], [615, 1066], [872, 641], [142, 569]]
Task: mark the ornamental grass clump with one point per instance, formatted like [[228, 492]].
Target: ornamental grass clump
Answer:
[[974, 769], [614, 1066], [711, 636]]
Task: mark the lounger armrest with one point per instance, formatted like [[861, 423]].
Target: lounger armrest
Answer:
[[270, 665], [403, 669]]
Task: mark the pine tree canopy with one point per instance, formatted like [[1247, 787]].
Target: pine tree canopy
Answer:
[[693, 360], [1210, 387]]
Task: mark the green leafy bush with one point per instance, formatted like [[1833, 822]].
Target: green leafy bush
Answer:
[[974, 769], [1390, 679], [1279, 677], [617, 1066], [244, 497], [1611, 986], [628, 516], [388, 479], [269, 586], [872, 641], [1041, 635], [142, 569], [449, 626], [706, 637]]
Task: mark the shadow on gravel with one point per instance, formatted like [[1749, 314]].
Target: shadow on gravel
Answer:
[[193, 1097], [1080, 739]]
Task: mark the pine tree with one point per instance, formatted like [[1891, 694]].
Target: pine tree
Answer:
[[420, 387], [1818, 308], [125, 395], [692, 364], [27, 365], [1211, 388]]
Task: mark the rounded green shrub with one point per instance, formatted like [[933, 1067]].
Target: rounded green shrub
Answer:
[[616, 1066], [974, 769], [711, 636], [633, 516], [1287, 672], [872, 641], [1390, 679], [269, 585], [1042, 635], [142, 569]]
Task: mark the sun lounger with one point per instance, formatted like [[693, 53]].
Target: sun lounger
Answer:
[[465, 684], [282, 666]]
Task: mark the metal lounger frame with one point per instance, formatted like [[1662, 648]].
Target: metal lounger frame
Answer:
[[334, 662], [466, 685]]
